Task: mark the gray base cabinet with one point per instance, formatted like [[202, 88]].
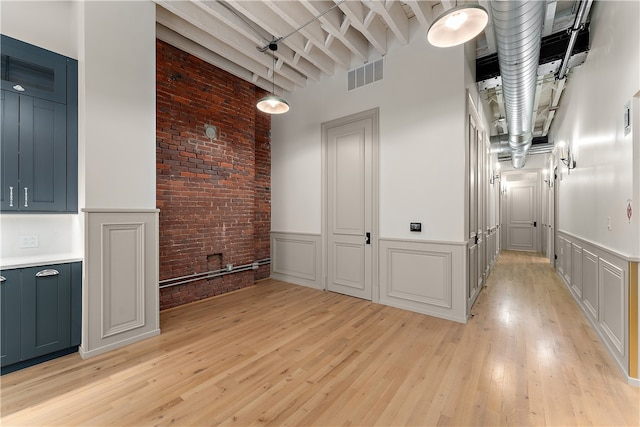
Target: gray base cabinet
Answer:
[[41, 310]]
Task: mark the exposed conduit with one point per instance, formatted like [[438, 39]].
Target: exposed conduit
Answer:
[[212, 274], [581, 17]]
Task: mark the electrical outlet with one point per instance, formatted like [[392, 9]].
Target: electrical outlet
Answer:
[[30, 241]]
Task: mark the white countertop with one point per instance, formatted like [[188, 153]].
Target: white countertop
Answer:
[[34, 261]]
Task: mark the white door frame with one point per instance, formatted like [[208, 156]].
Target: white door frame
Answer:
[[374, 115]]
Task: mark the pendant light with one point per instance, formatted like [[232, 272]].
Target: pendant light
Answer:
[[457, 25], [273, 104]]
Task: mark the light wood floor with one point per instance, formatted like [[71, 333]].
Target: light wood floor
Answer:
[[280, 354]]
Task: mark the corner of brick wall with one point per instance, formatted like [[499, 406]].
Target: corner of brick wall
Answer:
[[214, 196]]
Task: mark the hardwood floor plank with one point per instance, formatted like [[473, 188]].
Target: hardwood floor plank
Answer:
[[286, 355]]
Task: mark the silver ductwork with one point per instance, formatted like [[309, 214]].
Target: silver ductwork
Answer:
[[518, 31]]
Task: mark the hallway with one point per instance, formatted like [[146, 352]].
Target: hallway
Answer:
[[281, 354]]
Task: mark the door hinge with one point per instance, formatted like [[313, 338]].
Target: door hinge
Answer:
[[367, 238], [535, 223], [555, 256]]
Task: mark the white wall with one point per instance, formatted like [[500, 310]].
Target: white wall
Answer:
[[422, 163], [48, 24], [119, 104], [114, 43], [590, 120]]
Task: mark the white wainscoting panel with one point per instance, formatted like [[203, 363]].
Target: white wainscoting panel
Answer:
[[612, 302], [602, 276], [297, 258], [120, 283], [590, 283], [567, 260], [426, 277], [576, 274], [560, 250]]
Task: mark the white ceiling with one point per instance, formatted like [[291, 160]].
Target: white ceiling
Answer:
[[321, 37]]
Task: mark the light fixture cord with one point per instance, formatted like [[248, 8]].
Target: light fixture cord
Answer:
[[273, 73], [315, 18]]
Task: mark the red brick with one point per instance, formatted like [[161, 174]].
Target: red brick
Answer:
[[214, 196]]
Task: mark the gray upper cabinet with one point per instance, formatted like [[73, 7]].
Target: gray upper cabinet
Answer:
[[39, 147]]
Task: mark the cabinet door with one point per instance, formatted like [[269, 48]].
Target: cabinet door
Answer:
[[43, 155], [46, 309], [9, 317], [9, 151]]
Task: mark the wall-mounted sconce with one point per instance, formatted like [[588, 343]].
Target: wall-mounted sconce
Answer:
[[568, 160], [494, 175]]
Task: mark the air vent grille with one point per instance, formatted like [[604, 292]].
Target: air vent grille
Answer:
[[368, 73]]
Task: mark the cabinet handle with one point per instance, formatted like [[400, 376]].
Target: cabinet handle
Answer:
[[10, 197], [26, 197], [46, 273], [3, 279]]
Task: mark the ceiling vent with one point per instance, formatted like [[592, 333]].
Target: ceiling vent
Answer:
[[368, 73]]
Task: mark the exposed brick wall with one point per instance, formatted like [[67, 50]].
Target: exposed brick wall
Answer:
[[214, 196]]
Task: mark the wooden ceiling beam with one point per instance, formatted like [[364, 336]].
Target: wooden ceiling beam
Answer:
[[373, 29], [278, 27], [297, 16], [225, 39], [333, 22], [256, 36], [394, 16]]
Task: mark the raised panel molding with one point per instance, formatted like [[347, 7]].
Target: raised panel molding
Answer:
[[123, 279], [576, 274], [567, 261], [590, 283], [426, 277], [120, 286], [296, 258], [560, 264], [347, 272], [421, 276], [612, 303]]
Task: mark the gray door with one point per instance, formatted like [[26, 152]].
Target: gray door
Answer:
[[349, 206], [521, 221], [475, 266]]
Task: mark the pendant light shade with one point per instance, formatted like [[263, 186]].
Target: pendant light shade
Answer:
[[457, 25], [272, 104]]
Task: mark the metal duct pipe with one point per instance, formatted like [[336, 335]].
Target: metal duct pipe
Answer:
[[499, 144], [518, 30]]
